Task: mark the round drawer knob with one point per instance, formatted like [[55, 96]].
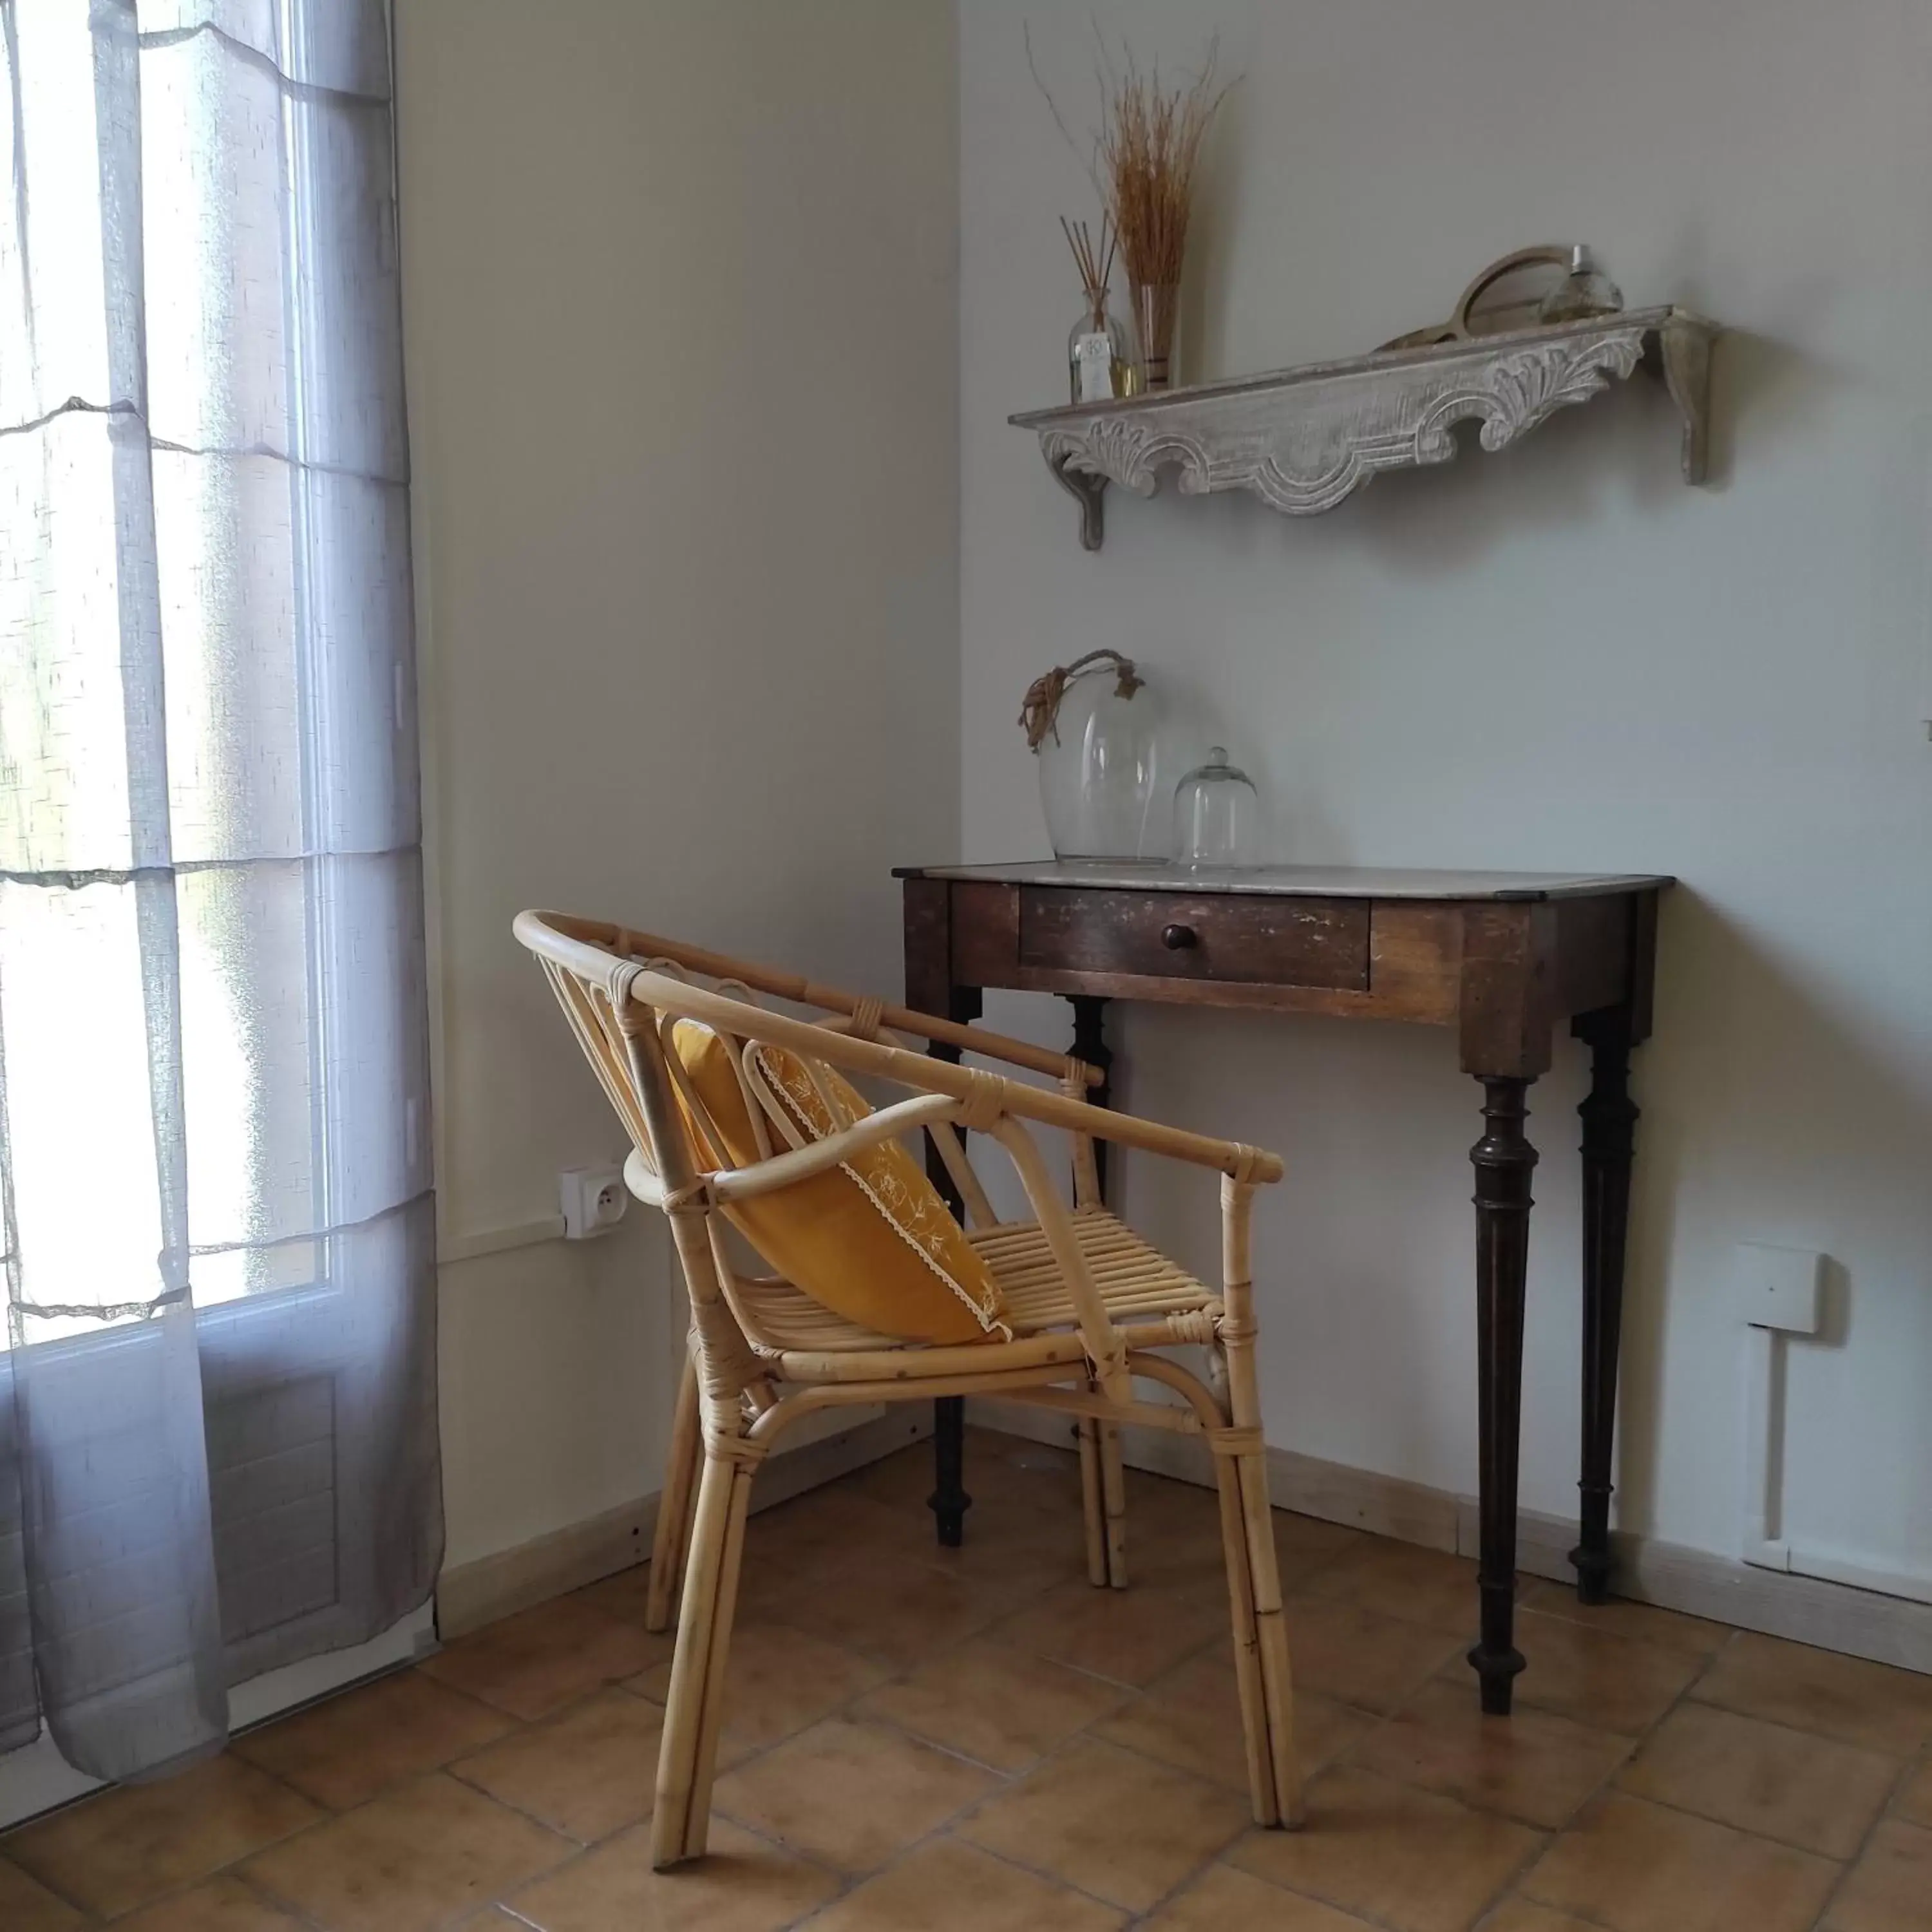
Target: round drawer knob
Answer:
[[1177, 938]]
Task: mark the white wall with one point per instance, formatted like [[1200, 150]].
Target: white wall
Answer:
[[1558, 657], [680, 287]]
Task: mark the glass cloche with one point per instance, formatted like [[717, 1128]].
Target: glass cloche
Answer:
[[1217, 816]]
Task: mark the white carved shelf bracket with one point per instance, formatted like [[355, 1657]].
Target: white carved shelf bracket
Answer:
[[1304, 440]]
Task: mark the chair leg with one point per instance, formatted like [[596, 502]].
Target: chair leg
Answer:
[[686, 1756], [1114, 1492], [1093, 1501], [1270, 1635], [675, 1504], [1247, 1645]]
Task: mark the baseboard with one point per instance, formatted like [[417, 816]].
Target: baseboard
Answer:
[[1806, 1609], [469, 1595], [1408, 1511]]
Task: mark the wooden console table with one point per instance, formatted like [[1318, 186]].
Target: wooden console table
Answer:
[[1501, 957]]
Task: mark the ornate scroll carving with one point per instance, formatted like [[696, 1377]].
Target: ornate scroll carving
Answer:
[[1306, 439]]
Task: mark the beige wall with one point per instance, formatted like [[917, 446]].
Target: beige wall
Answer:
[[680, 286], [1554, 657]]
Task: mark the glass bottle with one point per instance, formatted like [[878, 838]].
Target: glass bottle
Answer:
[[1585, 291], [1095, 728], [1098, 365], [1217, 816]]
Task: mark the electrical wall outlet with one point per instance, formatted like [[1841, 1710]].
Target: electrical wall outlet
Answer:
[[593, 1200], [1779, 1288]]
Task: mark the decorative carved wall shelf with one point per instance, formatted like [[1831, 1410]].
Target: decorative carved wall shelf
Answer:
[[1303, 440]]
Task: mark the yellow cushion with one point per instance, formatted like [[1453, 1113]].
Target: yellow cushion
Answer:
[[870, 1239]]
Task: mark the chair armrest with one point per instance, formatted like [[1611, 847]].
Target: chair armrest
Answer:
[[1109, 1124], [797, 1164]]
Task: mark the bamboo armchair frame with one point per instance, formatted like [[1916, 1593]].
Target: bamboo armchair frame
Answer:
[[1093, 1306]]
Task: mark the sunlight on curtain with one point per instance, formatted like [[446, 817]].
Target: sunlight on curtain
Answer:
[[213, 1082]]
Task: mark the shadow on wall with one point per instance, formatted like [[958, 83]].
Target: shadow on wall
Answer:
[[1559, 475], [1755, 1095]]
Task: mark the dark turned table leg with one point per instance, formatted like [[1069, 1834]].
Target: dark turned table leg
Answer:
[[1504, 1160], [949, 1501], [1089, 1044], [1609, 1140]]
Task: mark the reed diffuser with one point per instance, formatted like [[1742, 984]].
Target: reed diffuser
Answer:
[[1149, 147], [1098, 366]]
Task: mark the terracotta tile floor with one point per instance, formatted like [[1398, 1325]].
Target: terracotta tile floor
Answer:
[[928, 1741]]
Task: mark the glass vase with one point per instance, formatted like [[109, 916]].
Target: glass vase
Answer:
[[1095, 727], [1156, 305]]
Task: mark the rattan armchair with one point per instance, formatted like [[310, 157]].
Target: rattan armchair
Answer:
[[1089, 1306]]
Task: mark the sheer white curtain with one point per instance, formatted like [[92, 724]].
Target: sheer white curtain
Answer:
[[217, 1424]]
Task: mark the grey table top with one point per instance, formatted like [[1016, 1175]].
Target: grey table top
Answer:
[[1379, 882]]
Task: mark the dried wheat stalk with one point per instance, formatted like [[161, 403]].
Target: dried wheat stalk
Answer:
[[1149, 146]]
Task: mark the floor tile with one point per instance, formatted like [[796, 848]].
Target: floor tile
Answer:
[[536, 1662], [141, 1841], [947, 1886], [996, 1705], [1374, 1662], [1009, 1546], [1004, 1474], [1110, 1822], [1172, 1527], [741, 1885], [1305, 1544], [1637, 1867], [1914, 1801], [777, 1680], [1398, 1580], [1045, 1475], [224, 1904], [1191, 1719], [1132, 1636], [1401, 1858], [1761, 1778], [1890, 1889], [1611, 1682], [1520, 1914], [416, 1857], [849, 1795], [27, 1906], [1620, 1617], [1841, 1697], [346, 1749], [839, 1520], [1533, 1766], [587, 1772], [1224, 1900], [898, 1611]]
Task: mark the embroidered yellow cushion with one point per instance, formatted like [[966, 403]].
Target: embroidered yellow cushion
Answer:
[[870, 1239]]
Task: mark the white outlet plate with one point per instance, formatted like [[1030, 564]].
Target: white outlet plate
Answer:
[[1778, 1288], [592, 1200]]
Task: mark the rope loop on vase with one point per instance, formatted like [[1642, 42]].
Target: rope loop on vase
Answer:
[[1039, 709]]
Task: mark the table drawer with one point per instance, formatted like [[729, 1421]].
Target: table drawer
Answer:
[[1262, 941]]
